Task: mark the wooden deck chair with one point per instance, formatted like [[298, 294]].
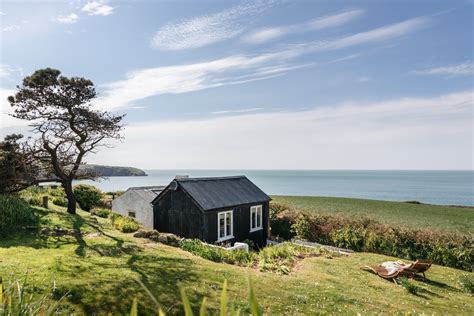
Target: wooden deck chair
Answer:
[[421, 266], [384, 273]]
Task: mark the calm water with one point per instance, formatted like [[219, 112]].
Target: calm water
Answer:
[[437, 187]]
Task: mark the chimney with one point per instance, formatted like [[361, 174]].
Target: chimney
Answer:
[[181, 177]]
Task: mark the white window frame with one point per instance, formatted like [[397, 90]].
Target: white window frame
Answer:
[[227, 215], [258, 210]]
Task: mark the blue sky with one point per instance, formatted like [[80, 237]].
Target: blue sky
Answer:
[[263, 84]]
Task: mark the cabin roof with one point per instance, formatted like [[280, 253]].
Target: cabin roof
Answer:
[[219, 192], [147, 193]]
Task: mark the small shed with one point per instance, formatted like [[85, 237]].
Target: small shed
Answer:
[[215, 210], [136, 203]]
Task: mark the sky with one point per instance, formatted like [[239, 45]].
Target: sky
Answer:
[[260, 84]]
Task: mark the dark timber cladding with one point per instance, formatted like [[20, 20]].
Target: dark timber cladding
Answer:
[[190, 207]]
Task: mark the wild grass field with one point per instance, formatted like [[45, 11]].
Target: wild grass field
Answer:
[[450, 218], [97, 272]]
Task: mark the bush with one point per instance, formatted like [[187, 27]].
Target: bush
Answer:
[[87, 196], [217, 254], [467, 283], [124, 224], [365, 234], [101, 212], [279, 259], [60, 201], [14, 213]]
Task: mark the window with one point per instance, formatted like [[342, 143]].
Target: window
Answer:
[[225, 229], [131, 214], [256, 218]]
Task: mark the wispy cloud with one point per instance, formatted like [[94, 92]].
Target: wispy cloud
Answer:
[[464, 69], [67, 19], [272, 33], [6, 71], [10, 28], [97, 8], [204, 30], [435, 130], [238, 69], [6, 121], [380, 34], [236, 111]]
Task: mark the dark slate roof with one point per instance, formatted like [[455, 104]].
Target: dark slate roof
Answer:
[[219, 192], [148, 193]]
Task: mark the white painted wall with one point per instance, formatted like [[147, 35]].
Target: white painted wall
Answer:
[[131, 201]]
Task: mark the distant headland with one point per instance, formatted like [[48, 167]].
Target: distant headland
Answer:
[[113, 171]]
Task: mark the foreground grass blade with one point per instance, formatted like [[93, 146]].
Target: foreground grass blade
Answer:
[[254, 307], [223, 311], [134, 310], [202, 310], [187, 307]]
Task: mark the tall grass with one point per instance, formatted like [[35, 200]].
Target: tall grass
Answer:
[[15, 300], [14, 213]]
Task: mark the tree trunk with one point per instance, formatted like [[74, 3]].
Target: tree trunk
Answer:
[[71, 199]]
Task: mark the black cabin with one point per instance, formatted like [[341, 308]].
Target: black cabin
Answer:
[[215, 210]]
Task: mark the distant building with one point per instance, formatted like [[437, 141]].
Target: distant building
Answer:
[[218, 209], [136, 203]]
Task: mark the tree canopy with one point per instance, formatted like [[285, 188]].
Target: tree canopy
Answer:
[[66, 126]]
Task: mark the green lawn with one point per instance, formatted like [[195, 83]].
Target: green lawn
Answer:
[[459, 219], [99, 274]]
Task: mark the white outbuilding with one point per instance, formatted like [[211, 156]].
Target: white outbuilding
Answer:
[[136, 203]]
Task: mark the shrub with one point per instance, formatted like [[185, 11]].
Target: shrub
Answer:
[[467, 283], [365, 234], [279, 259], [60, 201], [14, 212], [124, 224], [34, 200], [217, 254], [87, 196], [101, 212]]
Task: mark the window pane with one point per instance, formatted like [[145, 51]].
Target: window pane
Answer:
[[228, 224], [221, 225], [252, 219], [259, 218]]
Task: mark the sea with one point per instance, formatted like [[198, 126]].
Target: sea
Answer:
[[434, 187]]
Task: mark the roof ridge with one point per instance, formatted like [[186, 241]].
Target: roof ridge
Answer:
[[209, 178]]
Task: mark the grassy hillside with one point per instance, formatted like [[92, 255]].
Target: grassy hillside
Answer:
[[99, 268], [459, 219]]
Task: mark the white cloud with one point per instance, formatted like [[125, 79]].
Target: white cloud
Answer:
[[6, 121], [144, 83], [204, 30], [2, 13], [10, 28], [406, 133], [464, 69], [7, 71], [271, 33], [380, 34], [67, 19], [97, 8], [236, 111]]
